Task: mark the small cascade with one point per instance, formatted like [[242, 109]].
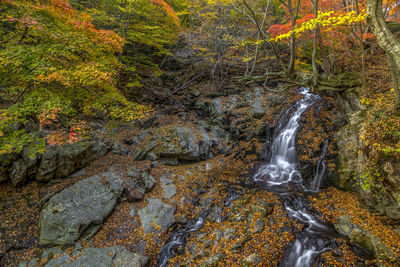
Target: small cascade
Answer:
[[283, 164], [281, 175], [178, 238], [321, 167]]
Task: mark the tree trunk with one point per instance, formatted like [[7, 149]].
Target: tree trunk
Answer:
[[387, 41], [315, 46], [292, 49]]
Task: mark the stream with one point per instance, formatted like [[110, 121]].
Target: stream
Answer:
[[280, 174]]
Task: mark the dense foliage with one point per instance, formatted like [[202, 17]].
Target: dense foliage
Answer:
[[55, 65], [148, 29]]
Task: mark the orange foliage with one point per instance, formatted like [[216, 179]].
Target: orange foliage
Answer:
[[171, 13], [278, 29]]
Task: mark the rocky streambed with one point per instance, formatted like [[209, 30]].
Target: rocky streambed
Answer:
[[118, 200]]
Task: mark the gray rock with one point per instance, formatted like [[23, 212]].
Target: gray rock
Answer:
[[148, 181], [138, 154], [215, 214], [221, 140], [174, 144], [132, 190], [136, 140], [31, 263], [6, 159], [205, 145], [151, 156], [189, 149], [119, 149], [230, 233], [69, 213], [168, 186], [257, 110], [141, 179], [142, 136], [170, 161], [252, 260], [149, 146], [216, 109], [65, 160], [179, 142], [100, 257], [156, 212], [69, 156], [18, 174], [276, 100], [31, 161], [363, 238], [141, 246], [48, 166]]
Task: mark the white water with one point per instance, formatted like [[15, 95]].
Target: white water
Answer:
[[177, 239], [277, 174], [282, 170], [283, 166]]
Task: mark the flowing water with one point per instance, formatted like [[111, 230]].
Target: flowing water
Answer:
[[281, 175], [178, 239]]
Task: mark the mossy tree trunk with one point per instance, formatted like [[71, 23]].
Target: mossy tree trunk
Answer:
[[387, 41], [315, 47]]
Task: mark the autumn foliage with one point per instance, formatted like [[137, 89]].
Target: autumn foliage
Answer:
[[55, 63]]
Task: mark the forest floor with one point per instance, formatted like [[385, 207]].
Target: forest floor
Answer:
[[253, 230]]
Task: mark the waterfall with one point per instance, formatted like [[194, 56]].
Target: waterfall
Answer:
[[282, 176], [283, 165], [282, 170]]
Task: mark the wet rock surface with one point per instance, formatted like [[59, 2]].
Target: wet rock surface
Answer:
[[253, 228], [367, 230], [362, 237]]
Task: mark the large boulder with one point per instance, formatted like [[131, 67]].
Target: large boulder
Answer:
[[63, 161], [79, 208], [158, 213], [55, 162], [383, 194], [6, 159], [178, 143], [47, 166], [100, 257], [362, 237]]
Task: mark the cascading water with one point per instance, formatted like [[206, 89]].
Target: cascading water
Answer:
[[178, 238], [283, 166], [281, 175]]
